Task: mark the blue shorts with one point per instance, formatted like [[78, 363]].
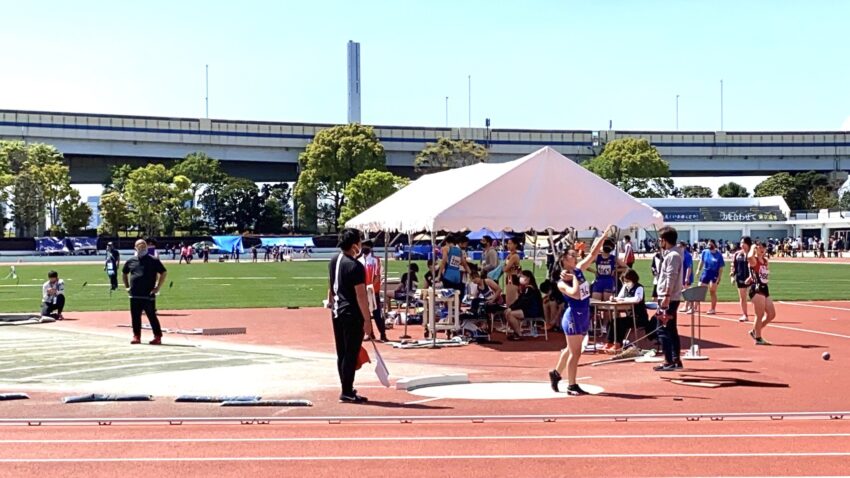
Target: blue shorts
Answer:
[[603, 284], [707, 277], [576, 321]]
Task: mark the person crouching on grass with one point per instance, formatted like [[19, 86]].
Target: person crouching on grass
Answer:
[[53, 296], [143, 278], [576, 321], [351, 315]]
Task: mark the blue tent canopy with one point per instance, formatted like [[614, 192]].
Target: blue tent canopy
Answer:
[[227, 243], [287, 241], [479, 234]]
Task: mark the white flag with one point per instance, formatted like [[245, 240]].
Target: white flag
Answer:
[[381, 367]]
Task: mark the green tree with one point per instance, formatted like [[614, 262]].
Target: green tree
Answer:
[[231, 203], [367, 189], [733, 190], [118, 177], [271, 217], [448, 153], [844, 203], [330, 161], [780, 184], [28, 206], [635, 166], [824, 198], [74, 213], [114, 213], [201, 170], [153, 194], [798, 190], [696, 192], [56, 187]]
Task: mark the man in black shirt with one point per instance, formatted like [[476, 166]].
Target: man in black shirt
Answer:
[[349, 303], [111, 267], [143, 278]]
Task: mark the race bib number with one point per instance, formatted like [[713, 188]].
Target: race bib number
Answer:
[[454, 261], [604, 269], [764, 275], [584, 290], [110, 268]]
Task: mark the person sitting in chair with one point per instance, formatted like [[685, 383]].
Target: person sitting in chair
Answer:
[[632, 292], [529, 304], [53, 296]]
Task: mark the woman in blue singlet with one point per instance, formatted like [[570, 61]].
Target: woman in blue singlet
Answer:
[[606, 265], [452, 265], [576, 321]]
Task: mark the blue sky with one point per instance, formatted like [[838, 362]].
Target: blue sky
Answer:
[[534, 64]]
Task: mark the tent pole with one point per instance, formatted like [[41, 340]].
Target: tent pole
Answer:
[[432, 294], [406, 290], [534, 257], [386, 272]]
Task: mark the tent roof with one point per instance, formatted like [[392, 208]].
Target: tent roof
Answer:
[[541, 190]]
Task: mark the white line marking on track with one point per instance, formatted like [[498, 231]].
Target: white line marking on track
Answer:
[[605, 456], [431, 438], [815, 306], [426, 400], [231, 278], [772, 326], [134, 365]]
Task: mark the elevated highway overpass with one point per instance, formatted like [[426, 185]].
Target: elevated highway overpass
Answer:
[[268, 151]]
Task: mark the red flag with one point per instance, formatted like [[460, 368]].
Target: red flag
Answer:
[[362, 358]]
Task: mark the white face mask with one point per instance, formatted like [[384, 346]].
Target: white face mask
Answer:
[[629, 285], [523, 281], [142, 253]]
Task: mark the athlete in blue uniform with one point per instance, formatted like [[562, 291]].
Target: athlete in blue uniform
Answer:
[[711, 264], [606, 265], [576, 321], [452, 265]]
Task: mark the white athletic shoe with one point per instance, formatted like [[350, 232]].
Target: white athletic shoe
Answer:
[[742, 318], [711, 312]]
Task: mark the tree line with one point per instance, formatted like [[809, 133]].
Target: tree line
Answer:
[[343, 172]]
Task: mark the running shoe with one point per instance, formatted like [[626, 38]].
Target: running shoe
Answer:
[[743, 318], [575, 390], [668, 367], [711, 312], [761, 341], [554, 378], [156, 341], [753, 334], [136, 340], [353, 398]]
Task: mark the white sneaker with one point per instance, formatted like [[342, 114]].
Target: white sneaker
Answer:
[[742, 318], [711, 312]]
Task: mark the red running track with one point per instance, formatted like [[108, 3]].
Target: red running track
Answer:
[[663, 448]]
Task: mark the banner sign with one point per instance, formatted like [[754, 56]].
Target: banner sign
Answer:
[[722, 214]]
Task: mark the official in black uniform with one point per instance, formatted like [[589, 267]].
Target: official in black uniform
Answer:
[[349, 303], [143, 278], [113, 258]]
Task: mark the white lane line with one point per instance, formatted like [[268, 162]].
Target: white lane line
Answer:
[[605, 456], [119, 367], [426, 400], [785, 327], [815, 306], [311, 278], [97, 360], [431, 438], [231, 278]]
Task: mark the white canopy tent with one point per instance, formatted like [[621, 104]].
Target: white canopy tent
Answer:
[[541, 191], [536, 192]]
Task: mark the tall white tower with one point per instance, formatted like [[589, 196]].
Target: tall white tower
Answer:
[[353, 82]]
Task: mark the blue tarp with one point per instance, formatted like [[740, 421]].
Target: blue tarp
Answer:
[[84, 242], [287, 241], [479, 234], [227, 243], [49, 245]]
